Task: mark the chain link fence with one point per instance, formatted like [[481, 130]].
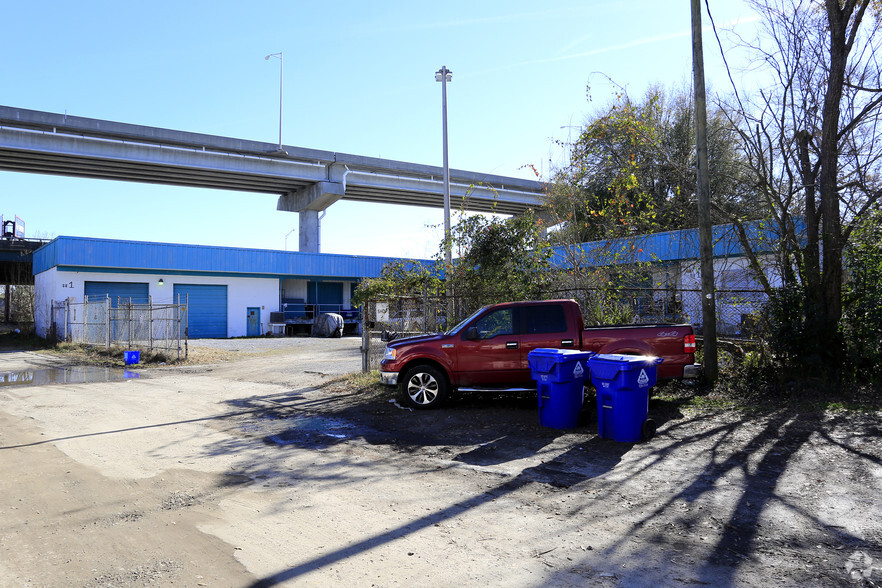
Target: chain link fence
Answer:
[[739, 313], [395, 318], [158, 328]]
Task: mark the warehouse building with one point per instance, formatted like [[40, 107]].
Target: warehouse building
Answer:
[[230, 292]]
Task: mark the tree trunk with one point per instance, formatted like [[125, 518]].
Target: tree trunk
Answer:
[[838, 15]]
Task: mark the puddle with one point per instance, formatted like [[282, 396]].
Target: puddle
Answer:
[[311, 430], [65, 375]]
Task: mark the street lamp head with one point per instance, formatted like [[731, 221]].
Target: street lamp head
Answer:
[[443, 74]]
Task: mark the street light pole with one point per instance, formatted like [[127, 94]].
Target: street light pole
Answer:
[[444, 75], [281, 78]]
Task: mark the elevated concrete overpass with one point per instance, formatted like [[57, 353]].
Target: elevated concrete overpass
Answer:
[[307, 180]]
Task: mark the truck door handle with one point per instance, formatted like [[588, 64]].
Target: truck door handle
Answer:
[[566, 343], [511, 345]]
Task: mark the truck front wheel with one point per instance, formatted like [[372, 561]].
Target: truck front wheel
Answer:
[[423, 387]]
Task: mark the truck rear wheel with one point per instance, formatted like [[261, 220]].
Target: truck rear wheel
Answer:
[[424, 387]]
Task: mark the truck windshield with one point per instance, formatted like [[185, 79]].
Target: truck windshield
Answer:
[[459, 327]]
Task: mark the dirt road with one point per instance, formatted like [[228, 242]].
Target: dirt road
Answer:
[[256, 472]]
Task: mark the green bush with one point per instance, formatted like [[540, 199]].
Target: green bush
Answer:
[[791, 339], [862, 311], [784, 327]]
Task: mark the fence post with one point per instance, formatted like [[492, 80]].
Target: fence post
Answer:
[[425, 309], [67, 319], [150, 323], [366, 338], [107, 322], [179, 314], [185, 322]]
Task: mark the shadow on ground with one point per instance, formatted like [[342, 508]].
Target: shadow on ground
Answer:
[[738, 462]]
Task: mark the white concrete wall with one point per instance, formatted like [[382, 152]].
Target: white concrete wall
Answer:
[[242, 293], [347, 294], [44, 294], [294, 289], [730, 306]]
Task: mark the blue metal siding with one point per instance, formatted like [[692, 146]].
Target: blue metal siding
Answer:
[[206, 310], [671, 246], [82, 254], [137, 255], [137, 292]]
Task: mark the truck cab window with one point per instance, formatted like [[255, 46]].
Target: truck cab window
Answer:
[[546, 318], [499, 322]]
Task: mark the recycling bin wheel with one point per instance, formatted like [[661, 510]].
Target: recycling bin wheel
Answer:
[[647, 431]]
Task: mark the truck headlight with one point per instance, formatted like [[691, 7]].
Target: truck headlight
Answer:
[[390, 354]]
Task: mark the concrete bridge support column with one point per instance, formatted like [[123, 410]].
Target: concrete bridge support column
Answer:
[[310, 232], [309, 202]]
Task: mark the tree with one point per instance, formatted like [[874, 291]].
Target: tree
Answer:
[[632, 169], [811, 139], [400, 279], [862, 318], [632, 173], [498, 260]]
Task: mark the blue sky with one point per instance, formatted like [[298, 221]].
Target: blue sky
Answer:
[[358, 78]]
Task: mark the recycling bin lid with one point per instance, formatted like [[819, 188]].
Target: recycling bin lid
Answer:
[[627, 359], [543, 359], [607, 365]]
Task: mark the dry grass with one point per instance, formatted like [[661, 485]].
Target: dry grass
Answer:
[[113, 357], [367, 384], [201, 355]]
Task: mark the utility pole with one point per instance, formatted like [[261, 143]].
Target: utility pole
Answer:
[[705, 237]]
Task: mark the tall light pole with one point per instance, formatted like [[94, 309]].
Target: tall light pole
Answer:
[[281, 77], [444, 75]]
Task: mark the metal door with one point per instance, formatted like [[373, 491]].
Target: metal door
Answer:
[[253, 321]]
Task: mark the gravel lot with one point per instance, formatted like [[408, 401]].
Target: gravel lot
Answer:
[[263, 470], [265, 344]]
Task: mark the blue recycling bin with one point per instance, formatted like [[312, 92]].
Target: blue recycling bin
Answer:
[[623, 383], [560, 379], [132, 357]]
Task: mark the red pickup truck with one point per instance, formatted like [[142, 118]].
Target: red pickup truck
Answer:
[[488, 350]]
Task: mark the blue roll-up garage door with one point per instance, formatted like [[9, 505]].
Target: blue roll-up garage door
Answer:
[[137, 292], [207, 310]]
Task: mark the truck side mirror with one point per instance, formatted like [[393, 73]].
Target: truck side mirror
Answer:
[[471, 334]]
